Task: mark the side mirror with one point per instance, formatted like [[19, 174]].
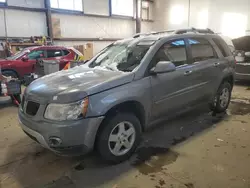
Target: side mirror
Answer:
[[163, 67], [25, 58], [247, 54]]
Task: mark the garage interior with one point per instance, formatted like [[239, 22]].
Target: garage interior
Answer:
[[195, 150]]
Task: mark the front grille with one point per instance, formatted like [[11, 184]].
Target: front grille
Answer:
[[32, 108]]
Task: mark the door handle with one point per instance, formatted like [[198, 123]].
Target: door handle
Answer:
[[216, 64], [188, 73]]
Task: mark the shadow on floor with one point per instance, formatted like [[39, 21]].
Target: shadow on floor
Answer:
[[33, 166], [5, 102]]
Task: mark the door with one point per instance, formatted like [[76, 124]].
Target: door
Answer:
[[174, 90], [27, 66], [56, 54], [206, 67]]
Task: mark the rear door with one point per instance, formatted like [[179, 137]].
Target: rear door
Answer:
[[174, 90], [56, 54], [207, 66]]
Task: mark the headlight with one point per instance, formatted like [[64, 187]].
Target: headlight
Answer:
[[72, 111]]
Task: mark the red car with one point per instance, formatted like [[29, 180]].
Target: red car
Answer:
[[23, 62]]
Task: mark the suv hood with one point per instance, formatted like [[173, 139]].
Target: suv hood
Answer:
[[75, 84]]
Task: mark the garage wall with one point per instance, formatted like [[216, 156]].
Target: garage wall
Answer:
[[229, 17], [25, 23], [73, 26], [146, 27], [27, 3], [2, 24]]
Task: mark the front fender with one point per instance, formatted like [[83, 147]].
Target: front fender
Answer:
[[139, 91]]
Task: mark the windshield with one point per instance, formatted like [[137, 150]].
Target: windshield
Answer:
[[19, 54], [120, 56]]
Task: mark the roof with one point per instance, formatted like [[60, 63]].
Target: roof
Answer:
[[46, 47]]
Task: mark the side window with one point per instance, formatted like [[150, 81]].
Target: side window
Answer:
[[65, 52], [174, 51], [201, 49], [54, 53], [36, 54], [223, 47]]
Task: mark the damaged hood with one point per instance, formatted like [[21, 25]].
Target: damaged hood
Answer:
[[75, 84]]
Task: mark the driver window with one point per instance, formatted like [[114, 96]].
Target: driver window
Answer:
[[174, 51], [36, 54]]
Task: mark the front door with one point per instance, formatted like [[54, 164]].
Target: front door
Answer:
[[28, 66], [174, 90]]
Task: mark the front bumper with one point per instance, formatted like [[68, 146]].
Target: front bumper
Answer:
[[78, 137]]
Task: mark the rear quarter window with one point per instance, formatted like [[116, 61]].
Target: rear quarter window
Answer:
[[225, 50]]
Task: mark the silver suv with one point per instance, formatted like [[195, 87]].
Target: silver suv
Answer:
[[127, 88]]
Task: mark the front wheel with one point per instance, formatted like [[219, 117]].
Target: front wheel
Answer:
[[222, 99], [119, 137]]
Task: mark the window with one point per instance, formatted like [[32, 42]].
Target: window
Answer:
[[174, 51], [201, 49], [36, 54], [65, 52], [67, 4], [54, 53], [147, 10], [122, 7], [225, 52], [2, 1]]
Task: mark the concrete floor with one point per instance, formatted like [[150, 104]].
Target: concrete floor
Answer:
[[195, 150]]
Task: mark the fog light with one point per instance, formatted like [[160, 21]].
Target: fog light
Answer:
[[55, 141]]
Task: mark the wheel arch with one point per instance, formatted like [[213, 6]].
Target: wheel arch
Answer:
[[228, 78], [131, 106], [13, 70]]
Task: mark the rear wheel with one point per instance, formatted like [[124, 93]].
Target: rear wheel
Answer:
[[119, 137], [222, 99]]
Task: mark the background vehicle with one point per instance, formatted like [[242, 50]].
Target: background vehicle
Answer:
[[128, 87], [23, 63], [242, 56]]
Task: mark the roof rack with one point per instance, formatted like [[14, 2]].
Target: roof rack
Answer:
[[180, 31], [194, 30]]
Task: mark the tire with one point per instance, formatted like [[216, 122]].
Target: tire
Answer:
[[220, 103], [11, 73], [106, 145]]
